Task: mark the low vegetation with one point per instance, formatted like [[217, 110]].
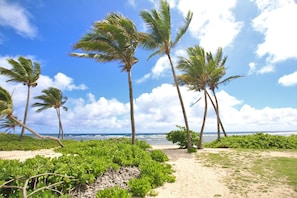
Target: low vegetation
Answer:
[[81, 163], [179, 137], [256, 141]]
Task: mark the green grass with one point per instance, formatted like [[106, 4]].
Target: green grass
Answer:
[[9, 142]]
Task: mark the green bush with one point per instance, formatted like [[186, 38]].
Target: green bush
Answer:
[[180, 137], [140, 186], [81, 163], [256, 141], [114, 192], [158, 156]]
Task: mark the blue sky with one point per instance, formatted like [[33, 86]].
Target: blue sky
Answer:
[[257, 36]]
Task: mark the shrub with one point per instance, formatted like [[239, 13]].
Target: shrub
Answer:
[[159, 156], [114, 192], [140, 186], [180, 137]]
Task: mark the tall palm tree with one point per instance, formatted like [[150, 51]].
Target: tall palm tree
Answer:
[[159, 38], [6, 110], [52, 98], [217, 80], [113, 39], [197, 72], [26, 72], [8, 124]]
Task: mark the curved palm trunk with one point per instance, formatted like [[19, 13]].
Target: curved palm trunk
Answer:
[[204, 119], [131, 106], [35, 133], [25, 114], [61, 131], [189, 143], [218, 115]]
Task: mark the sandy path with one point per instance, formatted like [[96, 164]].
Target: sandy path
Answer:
[[192, 179]]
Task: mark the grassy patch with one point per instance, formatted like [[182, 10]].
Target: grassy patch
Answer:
[[9, 142], [249, 171]]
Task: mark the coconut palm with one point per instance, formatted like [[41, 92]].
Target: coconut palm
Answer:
[[159, 38], [6, 111], [52, 98], [113, 39], [214, 83], [26, 72], [197, 72], [8, 124]]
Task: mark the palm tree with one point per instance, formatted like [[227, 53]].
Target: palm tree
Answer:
[[26, 72], [8, 124], [197, 72], [159, 39], [52, 98], [215, 81], [113, 39], [6, 110]]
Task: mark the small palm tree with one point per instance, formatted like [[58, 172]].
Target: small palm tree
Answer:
[[8, 124], [217, 80], [159, 39], [26, 72], [113, 39], [6, 111], [52, 98], [197, 72]]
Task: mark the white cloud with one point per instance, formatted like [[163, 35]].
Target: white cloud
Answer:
[[15, 16], [63, 81], [208, 20], [275, 22], [252, 67], [159, 111], [288, 80], [266, 69]]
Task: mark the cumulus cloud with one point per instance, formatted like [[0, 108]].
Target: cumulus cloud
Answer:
[[159, 111], [288, 80], [275, 23], [266, 69], [15, 16], [208, 20]]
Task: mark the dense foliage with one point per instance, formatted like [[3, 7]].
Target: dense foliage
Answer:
[[256, 141], [81, 163], [179, 136]]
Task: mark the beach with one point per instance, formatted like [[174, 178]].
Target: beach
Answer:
[[194, 178]]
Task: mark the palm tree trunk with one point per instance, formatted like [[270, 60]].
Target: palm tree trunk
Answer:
[[25, 114], [217, 113], [189, 143], [131, 106], [61, 131], [35, 133], [204, 119]]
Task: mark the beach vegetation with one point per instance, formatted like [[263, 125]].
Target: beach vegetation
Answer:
[[114, 192], [113, 39], [26, 72], [179, 137], [158, 156], [52, 98], [256, 141], [80, 165], [159, 38]]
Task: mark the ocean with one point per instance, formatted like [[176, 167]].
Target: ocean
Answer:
[[158, 138]]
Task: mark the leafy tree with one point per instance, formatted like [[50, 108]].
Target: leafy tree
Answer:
[[26, 72], [159, 38], [52, 98], [214, 82], [6, 110], [113, 39], [8, 124]]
